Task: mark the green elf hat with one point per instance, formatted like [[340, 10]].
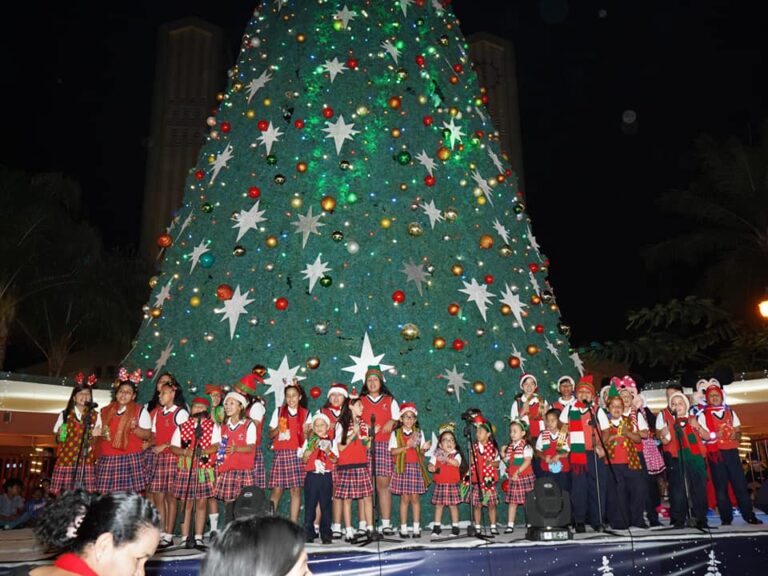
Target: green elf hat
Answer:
[[613, 392], [374, 371], [247, 384]]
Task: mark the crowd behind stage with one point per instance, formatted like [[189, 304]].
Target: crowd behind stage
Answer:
[[619, 462]]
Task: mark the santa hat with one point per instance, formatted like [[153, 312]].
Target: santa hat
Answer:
[[408, 407], [321, 416], [685, 400], [354, 393], [374, 371], [202, 400], [565, 380], [238, 397], [714, 386], [214, 389], [337, 388], [585, 382], [247, 384], [526, 376]]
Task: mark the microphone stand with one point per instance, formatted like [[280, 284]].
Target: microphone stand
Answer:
[[193, 475], [78, 473], [374, 535], [594, 423]]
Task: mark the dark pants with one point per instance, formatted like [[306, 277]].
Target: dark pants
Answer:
[[697, 491], [625, 508], [652, 496], [588, 492], [728, 469], [317, 489]]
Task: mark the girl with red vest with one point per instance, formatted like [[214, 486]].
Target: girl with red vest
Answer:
[[621, 437], [353, 475], [256, 410], [685, 456], [379, 403], [483, 468], [149, 456], [529, 407], [73, 466], [448, 468], [518, 455], [407, 445], [290, 423], [722, 434], [337, 399], [195, 480], [552, 449], [166, 420], [235, 443], [124, 426]]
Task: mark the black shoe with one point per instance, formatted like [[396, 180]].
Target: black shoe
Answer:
[[680, 524], [580, 528], [509, 530], [494, 530], [641, 525], [388, 531], [471, 530], [455, 531], [655, 523], [337, 535], [701, 525], [416, 533], [327, 540], [597, 528], [437, 530], [726, 522], [189, 543], [200, 545], [753, 520]]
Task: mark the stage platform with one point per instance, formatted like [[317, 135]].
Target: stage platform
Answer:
[[737, 550]]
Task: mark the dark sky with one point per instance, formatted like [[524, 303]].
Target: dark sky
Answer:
[[76, 86]]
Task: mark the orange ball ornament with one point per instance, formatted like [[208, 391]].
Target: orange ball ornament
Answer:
[[453, 309], [271, 241], [438, 343], [394, 102], [301, 167], [486, 241], [513, 362], [505, 310], [156, 312], [532, 349], [164, 240], [443, 153], [328, 203], [457, 269], [478, 386], [536, 299]]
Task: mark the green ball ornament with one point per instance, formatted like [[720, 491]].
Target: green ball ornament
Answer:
[[403, 157], [207, 207], [326, 281], [337, 236], [271, 159]]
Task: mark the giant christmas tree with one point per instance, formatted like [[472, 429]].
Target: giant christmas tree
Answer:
[[351, 206]]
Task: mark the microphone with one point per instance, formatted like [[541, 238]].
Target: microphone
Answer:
[[673, 412], [373, 420], [91, 405]]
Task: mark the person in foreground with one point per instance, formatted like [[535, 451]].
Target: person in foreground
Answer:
[[257, 546], [109, 535]]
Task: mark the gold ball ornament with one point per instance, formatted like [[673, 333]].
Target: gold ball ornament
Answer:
[[271, 241], [478, 386], [313, 362], [155, 312], [451, 214], [443, 153], [415, 229], [194, 301], [505, 250], [385, 223], [297, 202], [513, 362], [395, 133], [301, 38], [505, 310], [250, 114], [438, 343], [532, 349], [486, 241], [410, 332], [153, 281], [328, 203], [535, 299], [457, 269]]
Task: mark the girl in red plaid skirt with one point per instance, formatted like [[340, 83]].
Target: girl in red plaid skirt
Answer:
[[290, 424], [235, 443], [353, 476], [518, 455], [338, 396], [410, 480], [448, 467], [484, 468]]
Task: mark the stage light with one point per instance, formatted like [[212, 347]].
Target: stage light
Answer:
[[547, 511]]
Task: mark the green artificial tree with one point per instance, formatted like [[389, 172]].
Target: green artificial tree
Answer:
[[351, 206]]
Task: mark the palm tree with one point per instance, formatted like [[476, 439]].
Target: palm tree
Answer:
[[723, 238]]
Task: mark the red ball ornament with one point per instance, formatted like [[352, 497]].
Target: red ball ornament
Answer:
[[453, 308], [262, 125], [164, 240], [315, 392], [398, 296], [226, 127], [458, 68], [484, 98], [224, 292], [429, 180], [458, 345], [150, 373], [281, 303], [199, 175], [480, 134], [533, 267], [352, 63], [420, 61], [539, 329], [327, 112], [299, 123], [427, 120], [488, 278], [254, 192]]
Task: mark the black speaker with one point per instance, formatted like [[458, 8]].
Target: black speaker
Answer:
[[761, 498], [252, 502], [547, 506]]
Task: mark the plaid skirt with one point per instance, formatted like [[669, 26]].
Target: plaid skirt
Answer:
[[410, 481], [149, 459], [203, 488], [352, 483], [166, 470], [519, 488], [230, 482], [385, 463], [446, 494], [124, 473], [476, 500], [258, 469], [64, 478], [287, 470]]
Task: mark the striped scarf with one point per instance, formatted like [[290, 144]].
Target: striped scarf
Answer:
[[576, 436], [546, 440], [691, 450], [515, 453]]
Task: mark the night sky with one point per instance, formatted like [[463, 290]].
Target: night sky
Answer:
[[77, 87]]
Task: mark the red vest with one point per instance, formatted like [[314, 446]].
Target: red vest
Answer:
[[334, 418], [534, 417], [237, 437], [295, 425], [445, 473], [165, 426], [134, 442], [356, 452], [411, 454], [318, 454], [382, 409], [551, 450], [620, 455], [673, 447], [724, 425]]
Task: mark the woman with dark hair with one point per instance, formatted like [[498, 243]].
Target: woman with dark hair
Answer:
[[149, 456], [257, 546], [109, 535], [74, 454]]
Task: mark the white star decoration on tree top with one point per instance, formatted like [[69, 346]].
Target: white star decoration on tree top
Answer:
[[478, 293], [340, 131], [278, 379], [366, 358], [233, 309]]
